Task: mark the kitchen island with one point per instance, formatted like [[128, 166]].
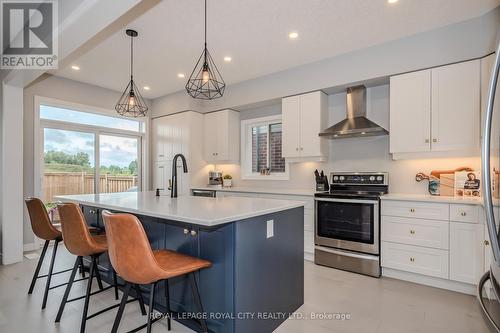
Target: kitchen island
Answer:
[[256, 247]]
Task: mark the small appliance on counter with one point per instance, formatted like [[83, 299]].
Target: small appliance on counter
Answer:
[[347, 222], [215, 179]]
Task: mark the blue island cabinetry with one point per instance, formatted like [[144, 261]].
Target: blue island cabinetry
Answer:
[[255, 280]]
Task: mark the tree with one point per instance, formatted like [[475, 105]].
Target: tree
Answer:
[[133, 167]]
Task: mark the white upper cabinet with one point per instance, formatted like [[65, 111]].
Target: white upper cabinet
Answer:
[[410, 105], [455, 106], [436, 110], [303, 118], [486, 67], [222, 136]]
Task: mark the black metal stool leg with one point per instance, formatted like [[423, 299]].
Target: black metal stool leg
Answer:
[[150, 310], [68, 289], [87, 295], [38, 266], [141, 299], [196, 295], [82, 267], [97, 274], [119, 314], [169, 313], [49, 276], [115, 283]]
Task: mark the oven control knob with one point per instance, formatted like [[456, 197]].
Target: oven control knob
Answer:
[[335, 178], [379, 178], [372, 178], [342, 177]]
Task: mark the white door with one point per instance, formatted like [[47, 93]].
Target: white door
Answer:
[[291, 126], [310, 119], [210, 136], [455, 106], [410, 112], [466, 252]]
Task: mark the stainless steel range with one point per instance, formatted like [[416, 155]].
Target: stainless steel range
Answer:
[[347, 222]]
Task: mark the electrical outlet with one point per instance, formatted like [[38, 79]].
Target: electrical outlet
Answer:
[[270, 228]]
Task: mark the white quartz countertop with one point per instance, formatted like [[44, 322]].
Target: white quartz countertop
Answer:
[[197, 210], [285, 191], [432, 198]]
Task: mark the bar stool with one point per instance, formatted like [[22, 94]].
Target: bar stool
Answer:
[[43, 228], [80, 242], [133, 259]]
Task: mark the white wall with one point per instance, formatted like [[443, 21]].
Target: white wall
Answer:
[[462, 41], [62, 89], [355, 154]]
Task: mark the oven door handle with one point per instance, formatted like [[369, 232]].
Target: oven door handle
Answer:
[[375, 202]]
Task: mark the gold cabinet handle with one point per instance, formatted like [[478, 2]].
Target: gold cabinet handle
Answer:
[[193, 233], [463, 213], [426, 140], [412, 232], [412, 210], [434, 140], [186, 231], [297, 149], [486, 242], [412, 259]]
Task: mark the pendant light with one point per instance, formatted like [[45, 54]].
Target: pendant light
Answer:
[[131, 103], [205, 82]]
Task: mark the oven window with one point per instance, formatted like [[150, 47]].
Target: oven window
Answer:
[[346, 221]]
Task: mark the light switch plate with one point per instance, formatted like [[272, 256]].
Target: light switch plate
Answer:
[[270, 228]]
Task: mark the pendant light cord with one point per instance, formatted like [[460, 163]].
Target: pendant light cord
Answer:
[[131, 57], [205, 23]]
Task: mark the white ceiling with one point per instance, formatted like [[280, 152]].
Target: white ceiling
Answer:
[[255, 34]]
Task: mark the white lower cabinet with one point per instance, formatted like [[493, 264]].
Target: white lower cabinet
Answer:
[[439, 244], [415, 259], [466, 252]]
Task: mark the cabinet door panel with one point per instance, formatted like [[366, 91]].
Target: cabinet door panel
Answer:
[[310, 121], [210, 136], [455, 106], [466, 252], [410, 112], [222, 152], [158, 139], [291, 126]]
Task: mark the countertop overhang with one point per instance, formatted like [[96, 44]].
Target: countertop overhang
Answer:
[[202, 211]]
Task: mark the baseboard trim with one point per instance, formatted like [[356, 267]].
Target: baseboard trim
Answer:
[[464, 288], [309, 256], [30, 247]]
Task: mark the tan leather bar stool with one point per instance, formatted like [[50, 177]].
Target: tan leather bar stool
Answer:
[[134, 260], [44, 229], [80, 242]]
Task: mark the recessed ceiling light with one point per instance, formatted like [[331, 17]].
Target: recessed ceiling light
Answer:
[[146, 88], [180, 75], [293, 35], [227, 59], [392, 1], [76, 68]]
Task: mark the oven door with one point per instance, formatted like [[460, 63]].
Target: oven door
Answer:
[[348, 224]]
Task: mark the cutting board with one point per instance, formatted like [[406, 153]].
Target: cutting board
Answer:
[[447, 184]]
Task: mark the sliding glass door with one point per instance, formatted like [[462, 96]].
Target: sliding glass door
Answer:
[[119, 163], [68, 163]]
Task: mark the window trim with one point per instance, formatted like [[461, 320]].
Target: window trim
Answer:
[[246, 150], [40, 124]]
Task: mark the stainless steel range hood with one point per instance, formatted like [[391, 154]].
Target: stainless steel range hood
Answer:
[[356, 124]]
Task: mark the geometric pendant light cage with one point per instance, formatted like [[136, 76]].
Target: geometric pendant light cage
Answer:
[[205, 81], [131, 102]]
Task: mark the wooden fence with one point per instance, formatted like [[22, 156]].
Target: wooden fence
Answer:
[[60, 183]]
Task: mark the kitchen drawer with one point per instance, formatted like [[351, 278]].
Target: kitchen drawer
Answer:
[[415, 259], [464, 213], [308, 221], [421, 210], [309, 241], [420, 232]]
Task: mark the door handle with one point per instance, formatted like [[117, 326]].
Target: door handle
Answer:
[[485, 160]]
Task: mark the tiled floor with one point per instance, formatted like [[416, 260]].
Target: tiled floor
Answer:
[[374, 305]]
